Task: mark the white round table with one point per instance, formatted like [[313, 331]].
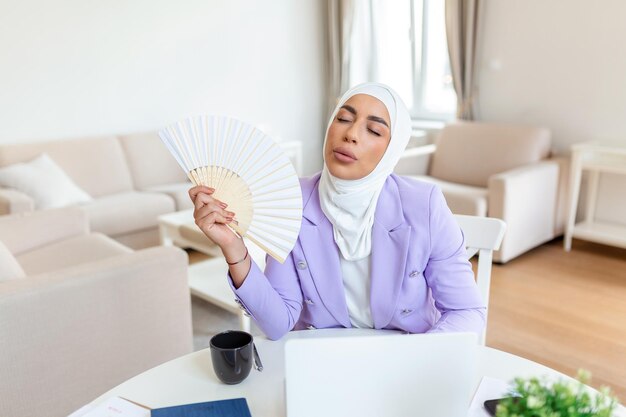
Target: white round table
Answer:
[[190, 378]]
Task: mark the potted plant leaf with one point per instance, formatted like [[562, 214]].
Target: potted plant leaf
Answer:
[[535, 397]]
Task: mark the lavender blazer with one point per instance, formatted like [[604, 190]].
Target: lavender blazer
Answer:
[[421, 280]]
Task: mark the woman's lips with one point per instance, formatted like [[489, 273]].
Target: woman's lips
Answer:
[[344, 155]]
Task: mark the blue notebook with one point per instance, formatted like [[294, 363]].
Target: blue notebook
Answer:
[[237, 407]]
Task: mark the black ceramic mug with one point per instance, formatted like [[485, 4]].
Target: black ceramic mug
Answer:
[[233, 353]]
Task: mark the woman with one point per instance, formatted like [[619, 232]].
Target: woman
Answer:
[[375, 250]]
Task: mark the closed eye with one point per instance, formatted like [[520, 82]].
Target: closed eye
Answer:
[[374, 132]]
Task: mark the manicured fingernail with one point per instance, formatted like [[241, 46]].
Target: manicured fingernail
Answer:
[[229, 219], [223, 205]]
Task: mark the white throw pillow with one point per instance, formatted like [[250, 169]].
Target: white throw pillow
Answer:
[[44, 181], [9, 268]]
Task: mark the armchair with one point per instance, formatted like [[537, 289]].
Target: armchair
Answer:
[[497, 170], [89, 314]]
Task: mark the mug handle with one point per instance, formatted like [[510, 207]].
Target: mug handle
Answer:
[[257, 360]]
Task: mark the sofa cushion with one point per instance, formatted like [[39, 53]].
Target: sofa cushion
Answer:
[[69, 252], [127, 212], [462, 199], [9, 267], [470, 152], [44, 181], [179, 192], [141, 239], [149, 161], [96, 165], [23, 232]]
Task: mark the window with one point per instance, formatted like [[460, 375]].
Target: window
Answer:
[[402, 43]]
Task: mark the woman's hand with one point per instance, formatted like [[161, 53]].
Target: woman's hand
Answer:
[[212, 217]]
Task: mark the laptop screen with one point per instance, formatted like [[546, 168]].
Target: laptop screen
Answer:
[[381, 374]]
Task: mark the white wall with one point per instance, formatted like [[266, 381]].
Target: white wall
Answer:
[[560, 64], [73, 68]]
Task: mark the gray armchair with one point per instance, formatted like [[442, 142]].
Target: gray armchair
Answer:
[[498, 170], [89, 314]]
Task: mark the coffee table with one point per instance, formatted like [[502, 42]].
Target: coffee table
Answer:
[[190, 378], [207, 279]]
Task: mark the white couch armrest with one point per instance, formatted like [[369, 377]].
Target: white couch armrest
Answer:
[[13, 201], [415, 161], [25, 231], [70, 335], [525, 198]]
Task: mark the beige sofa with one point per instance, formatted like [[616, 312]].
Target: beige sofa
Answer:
[[88, 314], [497, 170], [132, 178]]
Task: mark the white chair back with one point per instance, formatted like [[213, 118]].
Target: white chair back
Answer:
[[483, 235]]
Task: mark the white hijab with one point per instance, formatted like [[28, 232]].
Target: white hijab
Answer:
[[350, 204]]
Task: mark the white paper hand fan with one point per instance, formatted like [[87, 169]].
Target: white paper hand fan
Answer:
[[248, 171]]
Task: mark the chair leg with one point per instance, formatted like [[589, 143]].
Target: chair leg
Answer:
[[483, 275], [244, 322]]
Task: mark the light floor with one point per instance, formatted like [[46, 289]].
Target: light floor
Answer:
[[564, 310]]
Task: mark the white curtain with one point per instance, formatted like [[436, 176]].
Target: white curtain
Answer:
[[339, 29], [352, 46], [462, 22]]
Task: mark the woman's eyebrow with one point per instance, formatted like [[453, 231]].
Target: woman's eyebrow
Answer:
[[349, 108], [377, 119], [372, 118]]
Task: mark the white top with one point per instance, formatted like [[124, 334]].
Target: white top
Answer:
[[357, 285]]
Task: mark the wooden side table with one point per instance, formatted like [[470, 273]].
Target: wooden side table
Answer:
[[594, 157]]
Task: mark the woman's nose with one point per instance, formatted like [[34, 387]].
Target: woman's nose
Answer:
[[351, 135]]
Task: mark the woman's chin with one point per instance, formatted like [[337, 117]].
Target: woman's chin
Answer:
[[344, 172]]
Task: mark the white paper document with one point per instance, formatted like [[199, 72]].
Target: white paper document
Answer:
[[488, 389], [113, 407]]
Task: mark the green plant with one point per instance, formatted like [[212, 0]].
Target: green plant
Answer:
[[540, 398]]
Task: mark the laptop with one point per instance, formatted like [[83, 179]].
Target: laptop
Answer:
[[381, 375]]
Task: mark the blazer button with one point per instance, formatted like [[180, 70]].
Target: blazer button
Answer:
[[413, 274], [406, 311], [301, 265], [309, 301]]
